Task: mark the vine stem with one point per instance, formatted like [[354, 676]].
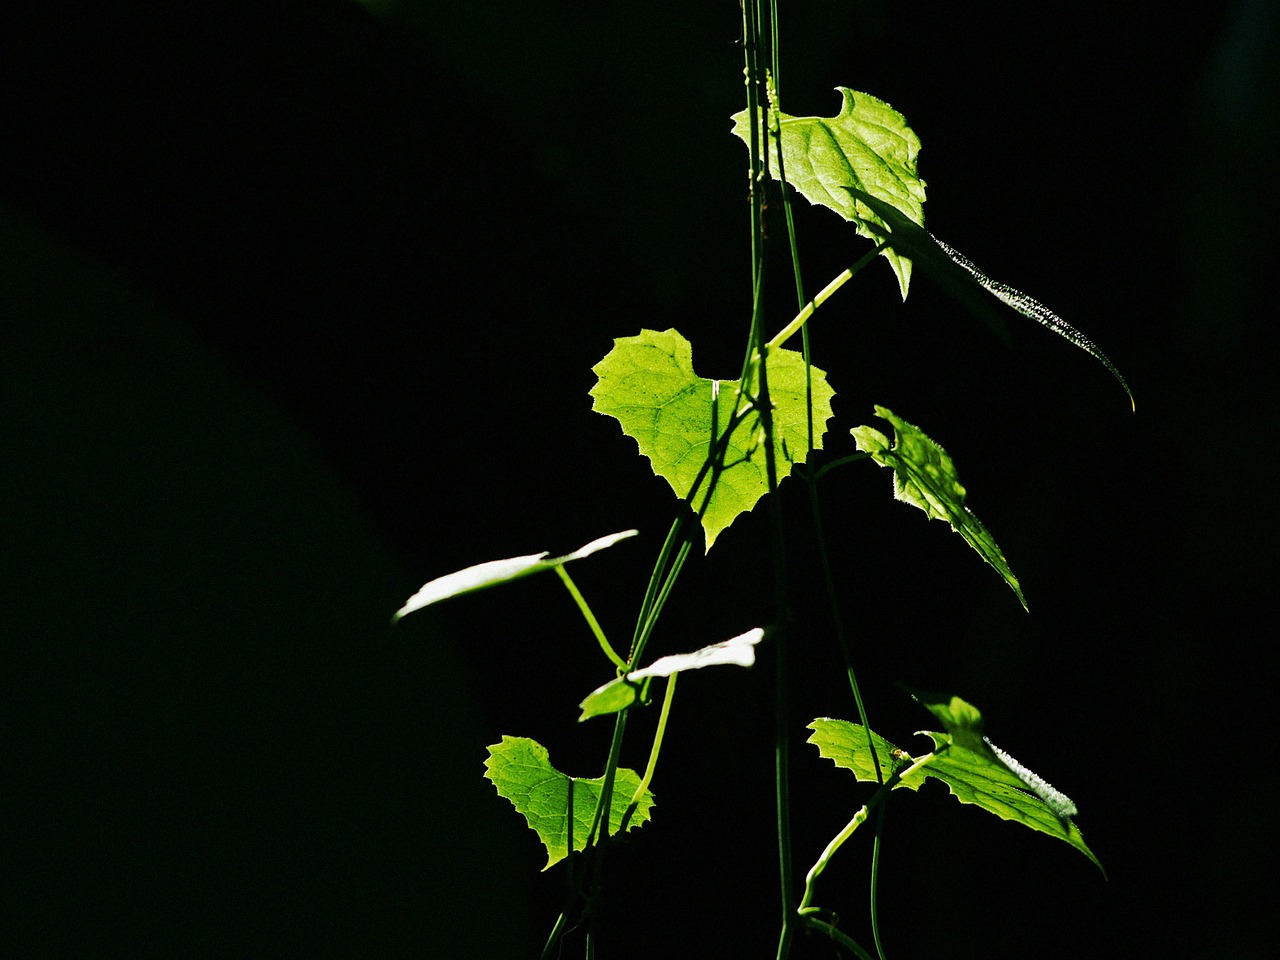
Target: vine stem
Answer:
[[757, 359], [838, 935], [671, 558]]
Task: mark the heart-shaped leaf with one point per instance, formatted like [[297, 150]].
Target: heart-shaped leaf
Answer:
[[521, 771], [677, 418]]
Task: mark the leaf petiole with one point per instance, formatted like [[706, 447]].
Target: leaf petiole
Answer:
[[654, 750], [828, 467], [825, 294], [587, 615]]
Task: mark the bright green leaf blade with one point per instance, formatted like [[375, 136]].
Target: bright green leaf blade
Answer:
[[977, 771], [961, 719], [963, 723], [973, 769], [494, 572], [621, 692], [521, 771], [959, 277], [867, 146], [985, 780], [648, 385], [845, 744], [924, 476]]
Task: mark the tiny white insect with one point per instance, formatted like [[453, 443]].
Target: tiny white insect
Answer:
[[1056, 800]]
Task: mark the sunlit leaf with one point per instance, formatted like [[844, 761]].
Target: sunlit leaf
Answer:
[[621, 692], [521, 771], [647, 383], [867, 146], [494, 572], [978, 772], [845, 744], [925, 477]]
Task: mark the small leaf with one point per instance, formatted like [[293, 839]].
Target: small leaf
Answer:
[[959, 277], [494, 572], [866, 146], [924, 476], [612, 697], [960, 719], [621, 692], [648, 385], [521, 771]]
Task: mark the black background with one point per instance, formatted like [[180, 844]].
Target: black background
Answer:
[[299, 308]]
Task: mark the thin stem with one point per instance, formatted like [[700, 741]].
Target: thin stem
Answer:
[[838, 935], [657, 738], [653, 751], [775, 131], [655, 579], [838, 621], [590, 617], [875, 878], [787, 332], [757, 356], [606, 791], [806, 903], [756, 165], [554, 939], [826, 468]]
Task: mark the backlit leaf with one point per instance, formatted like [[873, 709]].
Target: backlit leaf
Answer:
[[621, 692], [494, 572], [521, 771], [867, 146], [647, 383]]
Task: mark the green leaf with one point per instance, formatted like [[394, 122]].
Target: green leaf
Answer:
[[520, 770], [924, 476], [961, 278], [494, 572], [845, 744], [974, 771], [867, 146], [647, 383], [621, 692], [978, 772]]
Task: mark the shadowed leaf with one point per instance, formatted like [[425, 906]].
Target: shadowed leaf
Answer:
[[925, 477]]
